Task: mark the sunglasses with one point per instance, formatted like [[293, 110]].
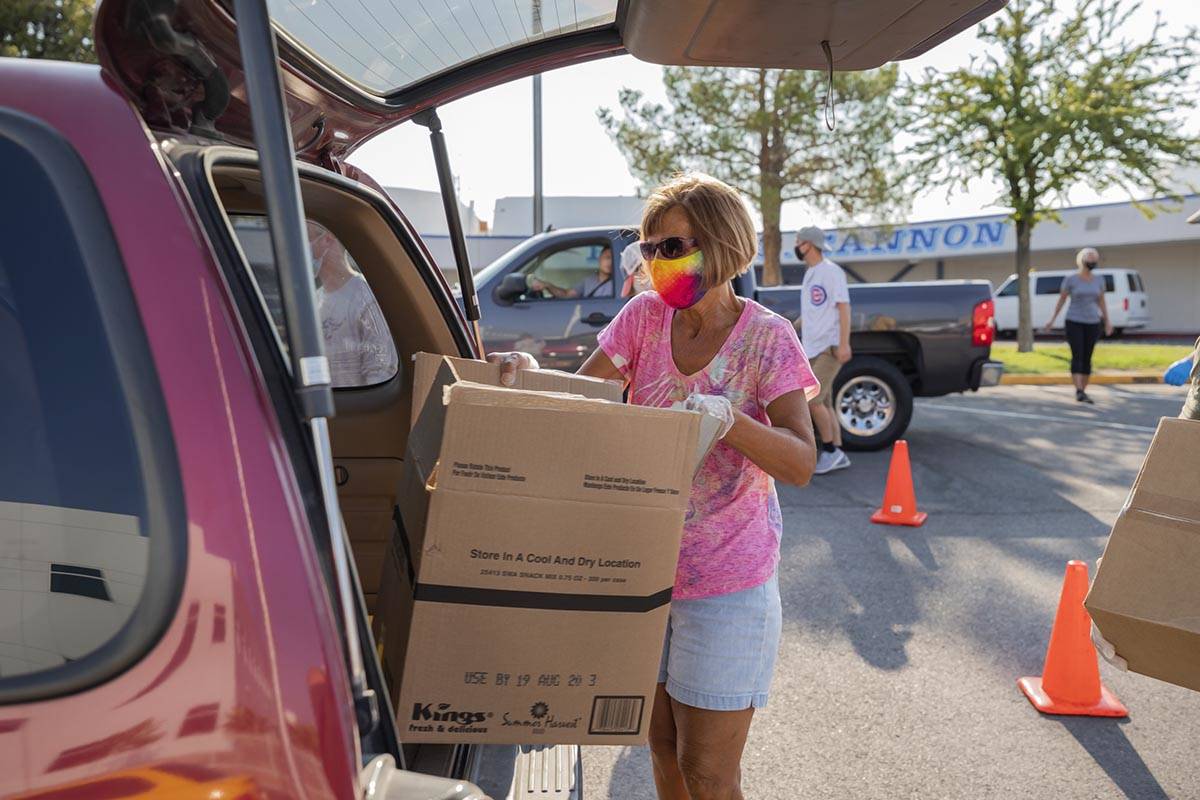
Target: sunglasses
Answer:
[[671, 247]]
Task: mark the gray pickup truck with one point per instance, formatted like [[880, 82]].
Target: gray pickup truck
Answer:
[[909, 339]]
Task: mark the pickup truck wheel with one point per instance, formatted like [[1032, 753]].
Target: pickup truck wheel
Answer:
[[873, 403]]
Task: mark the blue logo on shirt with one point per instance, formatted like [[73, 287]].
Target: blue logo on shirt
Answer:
[[817, 295]]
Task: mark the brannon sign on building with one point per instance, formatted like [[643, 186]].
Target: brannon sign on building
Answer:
[[921, 241], [1106, 225]]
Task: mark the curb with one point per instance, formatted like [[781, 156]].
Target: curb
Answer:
[[1064, 378]]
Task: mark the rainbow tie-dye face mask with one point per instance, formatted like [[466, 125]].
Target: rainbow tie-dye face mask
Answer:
[[679, 281]]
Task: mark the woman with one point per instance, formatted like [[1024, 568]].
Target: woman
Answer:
[[693, 340], [1084, 315]]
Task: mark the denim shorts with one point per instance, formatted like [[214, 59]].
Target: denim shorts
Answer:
[[719, 652]]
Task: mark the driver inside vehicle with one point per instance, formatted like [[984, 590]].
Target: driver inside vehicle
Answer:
[[588, 287]]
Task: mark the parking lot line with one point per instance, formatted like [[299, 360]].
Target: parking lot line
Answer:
[[1039, 417]]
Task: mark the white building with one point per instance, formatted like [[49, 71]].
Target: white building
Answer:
[[425, 211], [513, 216], [1164, 249]]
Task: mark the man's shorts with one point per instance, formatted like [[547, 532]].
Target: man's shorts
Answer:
[[826, 367]]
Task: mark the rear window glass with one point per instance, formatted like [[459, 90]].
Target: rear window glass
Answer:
[[1133, 287], [1109, 283], [385, 47], [74, 543], [358, 343], [1009, 289]]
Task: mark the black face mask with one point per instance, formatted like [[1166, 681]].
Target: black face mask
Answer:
[[1089, 265], [799, 255]]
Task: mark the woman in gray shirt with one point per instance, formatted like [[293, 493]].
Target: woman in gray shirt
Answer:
[[1084, 316]]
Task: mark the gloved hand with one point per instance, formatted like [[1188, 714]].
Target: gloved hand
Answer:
[[714, 406], [1103, 646], [510, 363]]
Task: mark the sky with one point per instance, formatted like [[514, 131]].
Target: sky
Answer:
[[490, 140]]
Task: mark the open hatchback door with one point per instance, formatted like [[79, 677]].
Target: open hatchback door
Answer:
[[355, 67]]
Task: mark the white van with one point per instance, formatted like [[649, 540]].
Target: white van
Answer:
[[1124, 293]]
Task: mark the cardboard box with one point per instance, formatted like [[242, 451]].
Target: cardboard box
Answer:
[[426, 366], [1146, 595], [526, 598]]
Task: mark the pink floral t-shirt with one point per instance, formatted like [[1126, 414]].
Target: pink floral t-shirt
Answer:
[[733, 524]]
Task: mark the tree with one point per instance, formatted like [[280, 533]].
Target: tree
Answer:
[[761, 131], [1058, 100], [58, 29]]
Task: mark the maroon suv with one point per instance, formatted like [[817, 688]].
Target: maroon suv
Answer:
[[189, 552]]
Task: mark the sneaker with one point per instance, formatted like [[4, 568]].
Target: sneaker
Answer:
[[828, 462], [1081, 396]]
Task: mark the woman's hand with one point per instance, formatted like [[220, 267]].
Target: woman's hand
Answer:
[[1108, 329], [510, 362], [714, 406], [1048, 327]]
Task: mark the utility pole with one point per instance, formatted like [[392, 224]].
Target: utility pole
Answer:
[[538, 218]]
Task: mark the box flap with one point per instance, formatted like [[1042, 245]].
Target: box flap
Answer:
[[1167, 483], [566, 447], [710, 428], [426, 366], [425, 439]]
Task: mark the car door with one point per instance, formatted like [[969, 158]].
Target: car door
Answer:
[[566, 303]]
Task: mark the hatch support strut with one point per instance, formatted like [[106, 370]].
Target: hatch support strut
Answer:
[[310, 369], [458, 242]]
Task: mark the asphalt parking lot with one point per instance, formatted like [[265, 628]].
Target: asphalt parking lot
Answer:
[[901, 647]]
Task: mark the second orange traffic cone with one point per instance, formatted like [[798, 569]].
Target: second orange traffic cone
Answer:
[[899, 500], [1070, 682]]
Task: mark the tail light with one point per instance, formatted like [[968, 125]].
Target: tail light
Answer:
[[983, 323], [1126, 303]]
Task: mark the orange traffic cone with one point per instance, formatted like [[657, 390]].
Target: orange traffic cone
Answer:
[[1070, 682], [899, 500]]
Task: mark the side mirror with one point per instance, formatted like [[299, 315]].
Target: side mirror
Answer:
[[512, 288]]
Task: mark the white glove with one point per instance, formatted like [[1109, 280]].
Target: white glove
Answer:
[[1103, 646], [714, 406], [510, 363]]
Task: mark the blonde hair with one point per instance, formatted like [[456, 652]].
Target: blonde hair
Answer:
[[1086, 254], [719, 221]]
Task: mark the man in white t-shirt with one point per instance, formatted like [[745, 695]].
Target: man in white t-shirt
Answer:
[[825, 334]]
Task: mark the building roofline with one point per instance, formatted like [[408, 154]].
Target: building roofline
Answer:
[[1004, 214]]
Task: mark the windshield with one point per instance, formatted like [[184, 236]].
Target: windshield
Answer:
[[384, 46]]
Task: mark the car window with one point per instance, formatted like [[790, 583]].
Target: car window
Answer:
[[358, 343], [570, 273], [1049, 284], [1009, 289], [1132, 280], [1141, 287], [1109, 284], [81, 487]]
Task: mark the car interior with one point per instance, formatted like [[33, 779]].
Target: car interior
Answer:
[[370, 432]]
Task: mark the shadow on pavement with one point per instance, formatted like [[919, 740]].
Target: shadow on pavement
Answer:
[[1112, 751], [631, 770], [1040, 492]]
